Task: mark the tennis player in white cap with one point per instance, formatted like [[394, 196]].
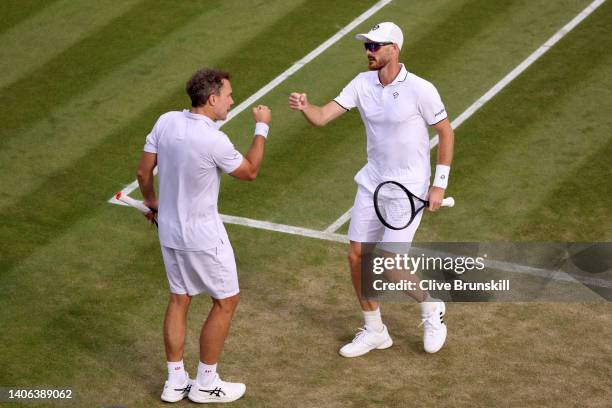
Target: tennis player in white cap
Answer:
[[396, 107]]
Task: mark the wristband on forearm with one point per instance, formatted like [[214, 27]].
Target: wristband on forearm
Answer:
[[262, 129], [441, 177]]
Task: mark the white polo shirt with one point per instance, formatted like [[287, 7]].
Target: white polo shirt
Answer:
[[191, 153], [396, 117]]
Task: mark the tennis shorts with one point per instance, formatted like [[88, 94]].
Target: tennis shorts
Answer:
[[211, 271], [366, 227]]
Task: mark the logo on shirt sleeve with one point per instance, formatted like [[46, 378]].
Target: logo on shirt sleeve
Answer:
[[439, 113]]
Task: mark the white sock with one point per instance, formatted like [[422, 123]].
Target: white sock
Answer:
[[373, 320], [176, 372], [206, 373]]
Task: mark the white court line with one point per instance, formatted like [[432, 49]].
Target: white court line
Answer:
[[497, 87], [287, 229], [339, 222], [282, 77]]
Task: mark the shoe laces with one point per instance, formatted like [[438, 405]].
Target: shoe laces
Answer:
[[431, 322], [359, 337]]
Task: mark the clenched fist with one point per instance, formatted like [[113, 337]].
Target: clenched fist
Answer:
[[261, 113], [298, 101]]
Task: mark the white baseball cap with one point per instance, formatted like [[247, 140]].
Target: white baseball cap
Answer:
[[383, 32]]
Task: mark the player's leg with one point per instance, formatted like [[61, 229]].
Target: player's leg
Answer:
[[396, 242], [216, 327], [175, 324], [218, 277], [363, 228], [354, 258], [208, 386], [177, 385], [432, 310]]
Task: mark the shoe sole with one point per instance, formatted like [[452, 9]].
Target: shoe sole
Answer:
[[165, 399], [383, 346], [209, 400]]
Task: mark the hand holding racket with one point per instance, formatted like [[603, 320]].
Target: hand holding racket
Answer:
[[139, 205], [396, 207]]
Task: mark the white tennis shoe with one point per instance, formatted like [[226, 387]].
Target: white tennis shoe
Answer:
[[218, 391], [175, 393], [366, 340], [434, 329]]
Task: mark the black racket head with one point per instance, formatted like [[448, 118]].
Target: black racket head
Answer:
[[395, 205]]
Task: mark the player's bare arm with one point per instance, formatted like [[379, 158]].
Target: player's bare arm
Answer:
[[249, 168], [148, 161], [445, 158], [317, 115]]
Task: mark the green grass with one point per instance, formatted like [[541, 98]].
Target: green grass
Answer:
[[32, 42], [83, 287], [13, 12]]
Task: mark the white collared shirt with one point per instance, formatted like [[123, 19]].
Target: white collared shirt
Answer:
[[396, 117], [191, 153]]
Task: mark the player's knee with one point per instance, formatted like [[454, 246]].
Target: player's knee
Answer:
[[354, 255], [180, 300], [229, 304]]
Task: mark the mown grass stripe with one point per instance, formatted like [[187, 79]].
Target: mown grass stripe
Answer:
[[15, 11], [78, 68], [37, 39], [577, 208]]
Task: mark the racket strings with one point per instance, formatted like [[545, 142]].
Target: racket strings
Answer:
[[396, 206]]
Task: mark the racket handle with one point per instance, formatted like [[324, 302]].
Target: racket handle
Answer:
[[139, 205], [448, 202]]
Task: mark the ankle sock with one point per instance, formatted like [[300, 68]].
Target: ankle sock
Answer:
[[206, 373], [373, 321], [176, 372]]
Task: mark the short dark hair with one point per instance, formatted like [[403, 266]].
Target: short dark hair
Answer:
[[203, 83]]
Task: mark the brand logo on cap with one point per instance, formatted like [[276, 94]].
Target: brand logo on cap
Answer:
[[376, 27]]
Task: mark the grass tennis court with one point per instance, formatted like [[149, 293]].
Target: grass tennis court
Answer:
[[82, 281]]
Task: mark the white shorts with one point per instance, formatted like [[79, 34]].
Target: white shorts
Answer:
[[366, 227], [211, 271]]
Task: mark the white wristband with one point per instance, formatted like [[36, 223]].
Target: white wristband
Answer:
[[262, 129], [441, 177]]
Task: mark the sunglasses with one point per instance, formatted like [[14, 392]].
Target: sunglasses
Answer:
[[375, 46]]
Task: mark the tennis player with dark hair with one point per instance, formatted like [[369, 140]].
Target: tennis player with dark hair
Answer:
[[191, 153], [396, 107]]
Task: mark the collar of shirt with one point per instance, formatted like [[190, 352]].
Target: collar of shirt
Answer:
[[400, 77], [204, 118]]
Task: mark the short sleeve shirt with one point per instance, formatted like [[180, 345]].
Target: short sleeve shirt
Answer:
[[396, 119], [192, 153]]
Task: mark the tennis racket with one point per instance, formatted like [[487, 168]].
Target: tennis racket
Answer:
[[137, 204], [396, 207]]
